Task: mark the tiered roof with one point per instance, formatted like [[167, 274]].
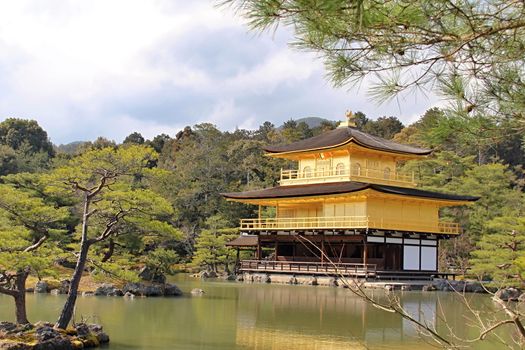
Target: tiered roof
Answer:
[[342, 136], [323, 189]]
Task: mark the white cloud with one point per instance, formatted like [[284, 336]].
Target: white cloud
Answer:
[[111, 67]]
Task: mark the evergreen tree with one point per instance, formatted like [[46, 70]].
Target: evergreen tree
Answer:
[[471, 52], [210, 249], [29, 230], [106, 185], [134, 137], [500, 253]]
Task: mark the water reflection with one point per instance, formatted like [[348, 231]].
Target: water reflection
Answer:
[[255, 316], [312, 318]]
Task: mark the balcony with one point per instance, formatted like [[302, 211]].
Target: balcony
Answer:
[[348, 222], [384, 177]]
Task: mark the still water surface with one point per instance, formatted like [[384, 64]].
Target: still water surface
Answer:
[[256, 316]]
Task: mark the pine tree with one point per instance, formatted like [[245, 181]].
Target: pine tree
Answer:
[[29, 230], [500, 253]]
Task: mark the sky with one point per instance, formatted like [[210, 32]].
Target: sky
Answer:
[[85, 69]]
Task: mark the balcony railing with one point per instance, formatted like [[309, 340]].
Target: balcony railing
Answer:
[[348, 222], [310, 268], [301, 177]]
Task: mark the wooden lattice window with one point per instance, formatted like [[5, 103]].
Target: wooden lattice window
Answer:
[[340, 169], [356, 169], [386, 173], [307, 171]]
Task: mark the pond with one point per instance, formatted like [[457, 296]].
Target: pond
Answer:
[[257, 316]]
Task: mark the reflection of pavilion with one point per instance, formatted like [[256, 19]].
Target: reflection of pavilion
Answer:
[[323, 318]]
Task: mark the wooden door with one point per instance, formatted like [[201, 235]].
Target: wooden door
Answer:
[[393, 255]]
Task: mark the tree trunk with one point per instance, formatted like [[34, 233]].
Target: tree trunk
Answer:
[[109, 252], [20, 297], [18, 292], [69, 307]]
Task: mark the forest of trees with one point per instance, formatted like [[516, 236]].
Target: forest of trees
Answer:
[[182, 177]]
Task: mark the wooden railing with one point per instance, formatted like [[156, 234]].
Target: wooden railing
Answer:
[[348, 222], [300, 267], [298, 177]]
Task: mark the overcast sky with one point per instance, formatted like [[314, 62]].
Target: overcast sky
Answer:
[[84, 69]]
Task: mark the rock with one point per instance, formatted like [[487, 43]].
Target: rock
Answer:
[[231, 277], [389, 288], [406, 288], [58, 343], [129, 295], [64, 286], [508, 294], [207, 274], [82, 329], [76, 344], [171, 290], [428, 288], [108, 289], [9, 345], [312, 281], [54, 292], [46, 332], [88, 294], [333, 282], [97, 331], [239, 278], [152, 290], [7, 327], [197, 291], [30, 290], [103, 338], [293, 280], [266, 279], [41, 287], [474, 287]]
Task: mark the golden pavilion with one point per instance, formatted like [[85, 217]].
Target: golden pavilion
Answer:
[[346, 209]]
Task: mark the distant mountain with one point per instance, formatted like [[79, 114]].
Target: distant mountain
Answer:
[[312, 122]]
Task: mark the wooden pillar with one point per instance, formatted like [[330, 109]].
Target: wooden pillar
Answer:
[[276, 248], [322, 249], [259, 213], [258, 252], [365, 252], [237, 260]]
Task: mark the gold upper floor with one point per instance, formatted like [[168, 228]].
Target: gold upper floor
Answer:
[[349, 163]]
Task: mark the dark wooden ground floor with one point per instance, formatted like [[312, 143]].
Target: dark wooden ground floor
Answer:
[[360, 253]]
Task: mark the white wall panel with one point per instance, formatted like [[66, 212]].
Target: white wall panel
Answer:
[[410, 257], [428, 258]]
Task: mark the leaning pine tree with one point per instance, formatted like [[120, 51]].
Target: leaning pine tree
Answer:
[[107, 184], [29, 227]]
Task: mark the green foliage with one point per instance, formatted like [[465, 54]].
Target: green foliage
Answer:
[[385, 127], [471, 52], [158, 142], [161, 261], [500, 253], [21, 133], [210, 249], [135, 138]]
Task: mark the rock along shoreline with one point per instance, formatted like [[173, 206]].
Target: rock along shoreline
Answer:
[[42, 336]]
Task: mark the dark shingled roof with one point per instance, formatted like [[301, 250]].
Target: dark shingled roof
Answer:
[[340, 188], [342, 136], [243, 241]]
